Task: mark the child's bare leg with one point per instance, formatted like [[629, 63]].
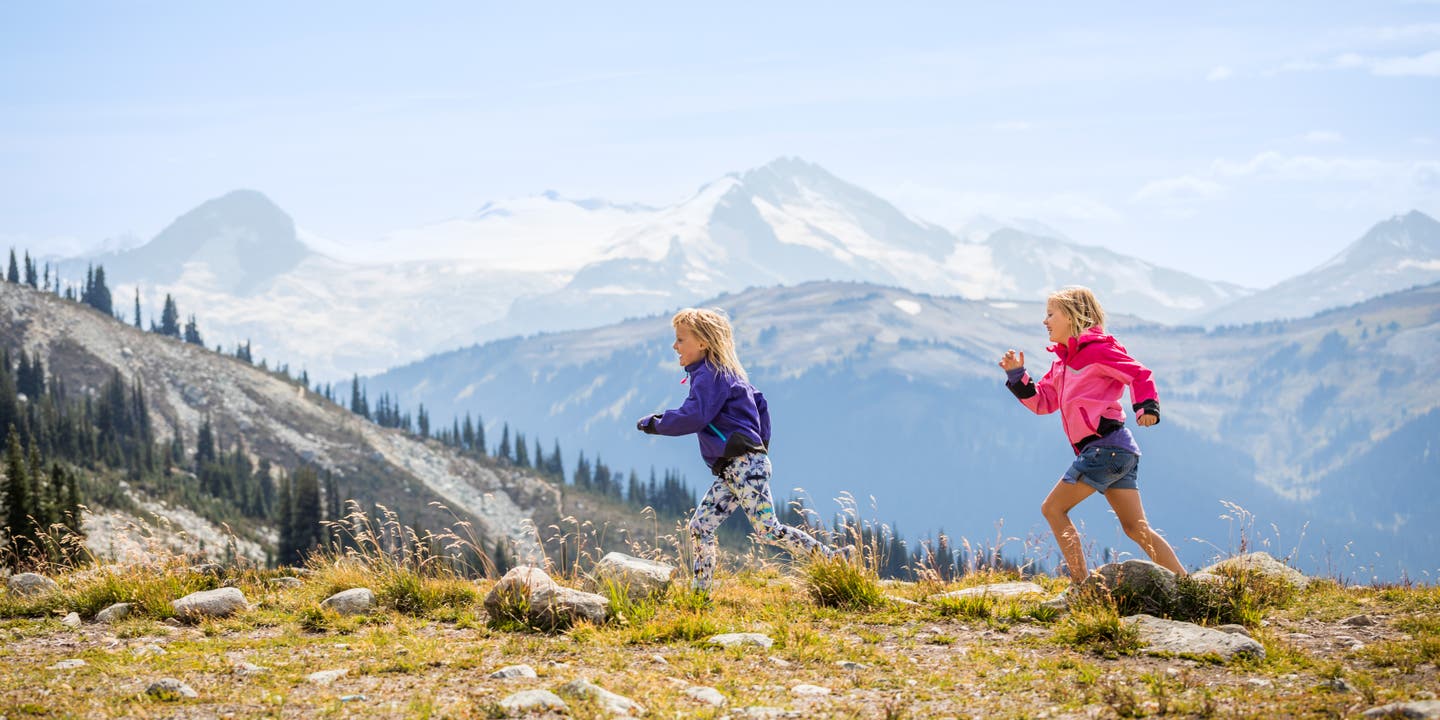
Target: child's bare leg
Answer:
[[1127, 506], [1056, 509]]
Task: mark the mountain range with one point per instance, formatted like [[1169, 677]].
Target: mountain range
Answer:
[[1324, 426], [547, 263]]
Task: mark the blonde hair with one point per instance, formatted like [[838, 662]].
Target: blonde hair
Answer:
[[1080, 306], [713, 329]]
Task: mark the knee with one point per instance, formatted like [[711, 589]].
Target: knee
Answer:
[[1139, 530], [697, 527], [768, 528], [1053, 510]]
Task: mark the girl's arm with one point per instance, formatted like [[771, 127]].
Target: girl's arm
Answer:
[[1118, 363], [1041, 398], [699, 409]]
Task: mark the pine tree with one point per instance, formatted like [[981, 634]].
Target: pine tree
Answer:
[[18, 504], [32, 278], [204, 446], [467, 434], [192, 333], [582, 472], [522, 456], [479, 445], [137, 308], [308, 532], [503, 452], [539, 456], [556, 464], [14, 274], [423, 419], [170, 318]]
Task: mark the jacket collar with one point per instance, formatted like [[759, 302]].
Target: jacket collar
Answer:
[[1089, 337], [692, 367]]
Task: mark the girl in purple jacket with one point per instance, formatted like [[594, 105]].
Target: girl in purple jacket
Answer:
[[1085, 384], [732, 422]]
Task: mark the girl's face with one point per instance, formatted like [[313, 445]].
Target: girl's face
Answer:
[[688, 347], [1057, 323]]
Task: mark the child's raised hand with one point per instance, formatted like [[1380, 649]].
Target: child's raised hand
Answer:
[[1012, 360], [1147, 419]]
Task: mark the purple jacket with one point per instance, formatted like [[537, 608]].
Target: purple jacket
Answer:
[[728, 414]]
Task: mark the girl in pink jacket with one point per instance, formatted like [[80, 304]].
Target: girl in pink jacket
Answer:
[[1085, 384]]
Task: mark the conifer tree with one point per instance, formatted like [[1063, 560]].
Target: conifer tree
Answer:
[[14, 274], [479, 445], [423, 420], [467, 434], [18, 504], [32, 278], [192, 333], [582, 472], [170, 318], [503, 452], [539, 456], [137, 308], [522, 456], [556, 465]]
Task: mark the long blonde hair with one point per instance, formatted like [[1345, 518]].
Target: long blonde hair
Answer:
[[1080, 306], [713, 329]]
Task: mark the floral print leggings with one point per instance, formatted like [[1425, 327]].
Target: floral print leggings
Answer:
[[744, 484]]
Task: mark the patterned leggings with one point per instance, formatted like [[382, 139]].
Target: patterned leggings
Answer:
[[745, 484]]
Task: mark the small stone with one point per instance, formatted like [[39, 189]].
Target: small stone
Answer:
[[849, 665], [1421, 710], [1234, 629], [532, 700], [215, 569], [1358, 621], [659, 659], [1339, 685], [71, 621], [514, 671], [170, 689], [287, 582], [778, 661], [325, 677], [810, 690], [151, 649], [741, 639], [113, 614], [705, 695], [31, 585], [355, 601], [1005, 589], [903, 602], [351, 698], [248, 669], [70, 664]]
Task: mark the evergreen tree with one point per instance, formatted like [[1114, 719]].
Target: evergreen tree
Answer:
[[522, 456], [503, 452], [96, 294], [539, 456], [14, 274], [137, 308], [423, 419], [467, 434], [582, 472], [32, 278], [602, 478], [556, 465], [170, 318], [204, 445], [192, 333], [479, 445], [18, 503]]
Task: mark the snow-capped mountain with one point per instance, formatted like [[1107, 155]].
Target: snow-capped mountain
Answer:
[[895, 396], [1399, 253], [547, 262]]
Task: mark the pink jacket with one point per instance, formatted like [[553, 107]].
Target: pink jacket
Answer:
[[1085, 384]]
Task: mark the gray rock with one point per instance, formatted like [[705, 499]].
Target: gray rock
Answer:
[[606, 700], [215, 569], [71, 621], [849, 665], [1234, 629], [248, 668], [355, 601], [210, 603], [1358, 621], [639, 578], [150, 649], [31, 585], [810, 690], [514, 671], [1138, 584], [170, 689], [1005, 589], [1421, 710], [528, 701], [70, 664], [761, 712], [1171, 637], [527, 594], [903, 602], [1260, 563], [741, 639], [287, 583], [115, 613], [705, 695], [325, 677]]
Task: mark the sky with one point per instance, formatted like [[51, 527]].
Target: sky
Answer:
[[1244, 142]]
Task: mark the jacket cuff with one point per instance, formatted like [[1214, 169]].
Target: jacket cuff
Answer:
[[1149, 407], [1021, 391]]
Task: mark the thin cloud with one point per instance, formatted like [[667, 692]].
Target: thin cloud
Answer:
[[1183, 189], [1322, 137], [1218, 73], [1425, 65]]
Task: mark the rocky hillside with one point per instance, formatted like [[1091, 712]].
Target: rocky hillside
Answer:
[[276, 419]]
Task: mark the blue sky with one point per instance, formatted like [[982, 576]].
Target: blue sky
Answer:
[[1237, 142]]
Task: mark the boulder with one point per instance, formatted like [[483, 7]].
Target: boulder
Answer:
[[355, 601], [1137, 585], [529, 701], [1419, 710], [606, 700], [639, 578], [220, 602], [1172, 637], [31, 585], [741, 640], [115, 613], [170, 689], [705, 695], [1005, 589], [1259, 563], [527, 594], [514, 671]]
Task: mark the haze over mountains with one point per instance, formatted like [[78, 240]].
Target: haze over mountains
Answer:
[[548, 263]]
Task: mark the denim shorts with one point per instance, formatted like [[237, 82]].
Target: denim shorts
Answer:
[[1104, 468]]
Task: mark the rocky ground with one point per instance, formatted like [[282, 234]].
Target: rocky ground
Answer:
[[1328, 651]]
